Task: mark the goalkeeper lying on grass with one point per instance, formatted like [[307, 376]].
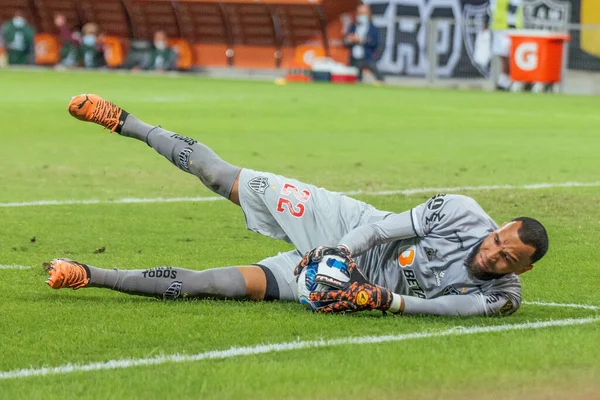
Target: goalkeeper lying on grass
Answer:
[[443, 257]]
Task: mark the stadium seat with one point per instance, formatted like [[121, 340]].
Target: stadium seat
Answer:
[[287, 57], [149, 16], [210, 54], [110, 16], [114, 54], [254, 57], [298, 24], [184, 53], [340, 54], [47, 49], [255, 44], [47, 9]]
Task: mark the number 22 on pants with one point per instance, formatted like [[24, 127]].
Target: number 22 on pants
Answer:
[[284, 204]]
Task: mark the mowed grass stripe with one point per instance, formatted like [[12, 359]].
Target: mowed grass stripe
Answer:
[[406, 192], [565, 305], [14, 267], [287, 346]]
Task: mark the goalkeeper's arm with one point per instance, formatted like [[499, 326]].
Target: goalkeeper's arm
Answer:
[[365, 237], [478, 304]]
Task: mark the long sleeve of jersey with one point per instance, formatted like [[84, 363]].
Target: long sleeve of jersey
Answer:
[[365, 237], [478, 304]]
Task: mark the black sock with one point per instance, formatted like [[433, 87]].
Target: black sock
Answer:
[[122, 118]]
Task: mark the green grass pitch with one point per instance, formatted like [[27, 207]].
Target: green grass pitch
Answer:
[[340, 137]]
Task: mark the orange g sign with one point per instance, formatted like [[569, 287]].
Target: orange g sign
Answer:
[[407, 257], [526, 56]]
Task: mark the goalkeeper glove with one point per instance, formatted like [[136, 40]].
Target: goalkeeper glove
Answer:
[[316, 255], [359, 295]]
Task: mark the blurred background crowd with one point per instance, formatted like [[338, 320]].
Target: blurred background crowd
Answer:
[[83, 46], [452, 41]]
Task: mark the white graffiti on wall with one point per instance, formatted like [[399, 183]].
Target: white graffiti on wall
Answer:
[[473, 23], [546, 14], [403, 24], [405, 37]]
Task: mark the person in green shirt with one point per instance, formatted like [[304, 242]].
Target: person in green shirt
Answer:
[[18, 38], [159, 57], [80, 49]]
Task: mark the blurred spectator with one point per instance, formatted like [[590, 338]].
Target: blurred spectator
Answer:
[[85, 48], [17, 38], [159, 57], [363, 39], [505, 15]]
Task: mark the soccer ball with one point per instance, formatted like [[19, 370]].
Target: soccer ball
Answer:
[[332, 267]]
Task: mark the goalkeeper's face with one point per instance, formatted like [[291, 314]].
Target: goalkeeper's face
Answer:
[[501, 252]]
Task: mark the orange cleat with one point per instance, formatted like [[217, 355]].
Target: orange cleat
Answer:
[[66, 273], [93, 108]]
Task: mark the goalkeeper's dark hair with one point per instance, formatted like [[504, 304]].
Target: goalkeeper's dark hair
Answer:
[[533, 233]]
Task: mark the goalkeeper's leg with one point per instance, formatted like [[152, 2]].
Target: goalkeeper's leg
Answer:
[[248, 282], [185, 153]]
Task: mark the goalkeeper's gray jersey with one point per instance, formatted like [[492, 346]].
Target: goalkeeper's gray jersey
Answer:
[[418, 253], [431, 263]]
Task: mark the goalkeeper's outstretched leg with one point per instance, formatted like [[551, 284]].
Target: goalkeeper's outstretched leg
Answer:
[[273, 205], [185, 153], [250, 282]]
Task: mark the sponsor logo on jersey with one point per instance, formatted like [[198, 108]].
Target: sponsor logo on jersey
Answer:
[[507, 308], [413, 283], [434, 205], [492, 298], [407, 257], [173, 291], [436, 202], [430, 253], [435, 217], [450, 290], [259, 184], [439, 275]]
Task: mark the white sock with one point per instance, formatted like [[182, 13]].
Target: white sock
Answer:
[[504, 81]]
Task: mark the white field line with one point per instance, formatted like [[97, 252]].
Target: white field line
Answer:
[[566, 305], [280, 347], [512, 112], [406, 192], [117, 201], [19, 267]]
